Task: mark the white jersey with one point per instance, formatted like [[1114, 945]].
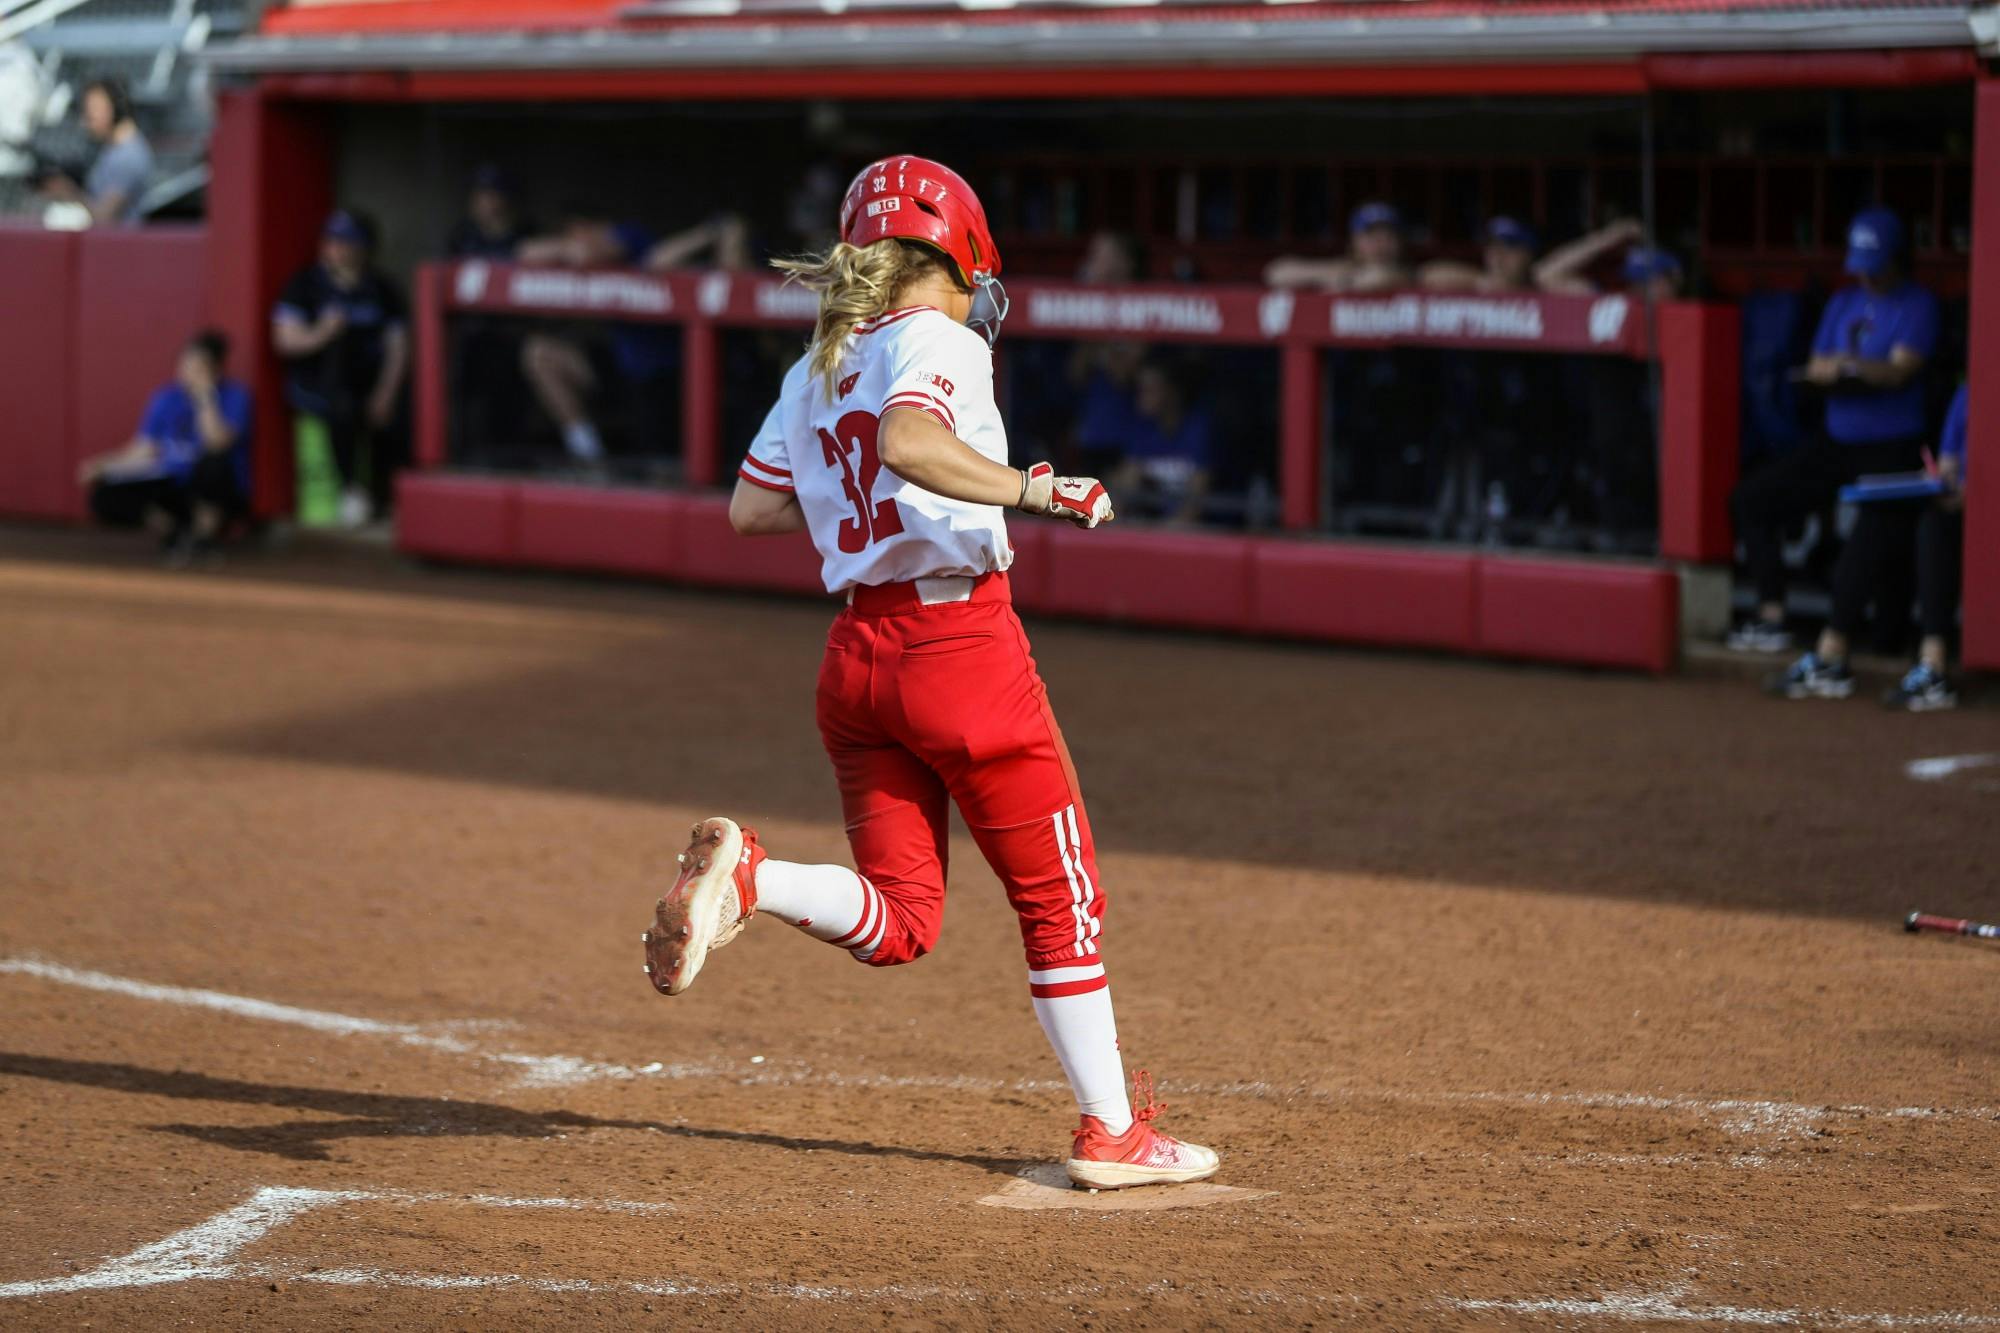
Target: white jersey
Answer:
[[870, 525]]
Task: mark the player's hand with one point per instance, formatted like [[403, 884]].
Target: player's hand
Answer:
[[1081, 500], [332, 321]]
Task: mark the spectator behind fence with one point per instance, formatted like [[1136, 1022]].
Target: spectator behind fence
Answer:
[[560, 368], [185, 473], [492, 227], [1373, 263], [341, 330], [1505, 457], [1170, 455], [485, 352], [1615, 481], [1868, 356], [1507, 263], [1654, 275], [117, 178], [1882, 541], [1104, 375]]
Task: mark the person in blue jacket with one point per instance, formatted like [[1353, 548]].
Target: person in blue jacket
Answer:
[[1881, 540], [1868, 357], [185, 473]]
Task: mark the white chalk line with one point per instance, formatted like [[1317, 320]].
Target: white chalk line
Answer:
[[1766, 1120], [1944, 766], [207, 1252], [1667, 1306]]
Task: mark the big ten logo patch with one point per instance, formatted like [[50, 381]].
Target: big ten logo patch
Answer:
[[889, 205], [847, 385], [938, 380]]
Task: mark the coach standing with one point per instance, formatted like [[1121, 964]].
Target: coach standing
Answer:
[[340, 327], [1868, 356]]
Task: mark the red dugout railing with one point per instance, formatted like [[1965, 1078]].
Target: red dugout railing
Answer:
[[1697, 345], [1588, 611]]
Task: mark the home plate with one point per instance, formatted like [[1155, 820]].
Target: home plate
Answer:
[[1049, 1187]]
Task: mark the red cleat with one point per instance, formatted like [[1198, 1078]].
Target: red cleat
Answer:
[[1141, 1155], [711, 901]]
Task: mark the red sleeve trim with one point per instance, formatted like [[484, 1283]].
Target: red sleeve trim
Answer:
[[755, 480], [918, 403], [751, 460]]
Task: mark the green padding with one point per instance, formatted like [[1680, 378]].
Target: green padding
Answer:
[[318, 496]]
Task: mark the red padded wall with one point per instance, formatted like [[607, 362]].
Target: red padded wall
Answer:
[[711, 552], [1700, 421], [1153, 578], [588, 528], [271, 190], [37, 344], [139, 295], [1362, 594], [1575, 611], [1028, 576], [458, 518]]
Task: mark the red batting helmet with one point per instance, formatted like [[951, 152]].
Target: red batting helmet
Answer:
[[916, 199]]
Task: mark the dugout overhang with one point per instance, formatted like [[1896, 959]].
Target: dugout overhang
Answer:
[[769, 49]]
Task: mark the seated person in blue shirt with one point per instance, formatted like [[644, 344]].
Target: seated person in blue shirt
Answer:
[[1106, 376], [1868, 356], [559, 367], [1169, 455], [1882, 538], [186, 471]]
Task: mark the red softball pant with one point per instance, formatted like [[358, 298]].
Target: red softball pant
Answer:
[[919, 704]]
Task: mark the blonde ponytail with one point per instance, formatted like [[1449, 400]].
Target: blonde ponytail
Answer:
[[855, 284]]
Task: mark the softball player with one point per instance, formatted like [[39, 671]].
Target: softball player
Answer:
[[886, 445]]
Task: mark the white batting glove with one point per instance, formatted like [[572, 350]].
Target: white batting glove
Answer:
[[1081, 500]]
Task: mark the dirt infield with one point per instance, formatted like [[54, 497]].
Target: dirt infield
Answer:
[[1512, 997]]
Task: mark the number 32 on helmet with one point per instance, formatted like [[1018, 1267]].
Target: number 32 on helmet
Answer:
[[916, 199]]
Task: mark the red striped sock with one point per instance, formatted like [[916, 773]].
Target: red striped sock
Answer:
[[829, 903], [1073, 1004]]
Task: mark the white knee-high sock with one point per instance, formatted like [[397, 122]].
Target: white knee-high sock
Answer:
[[1074, 1007], [829, 903]]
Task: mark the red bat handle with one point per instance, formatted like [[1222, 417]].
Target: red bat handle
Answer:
[[1950, 925]]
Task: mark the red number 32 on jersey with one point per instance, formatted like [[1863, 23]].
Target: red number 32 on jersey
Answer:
[[851, 447]]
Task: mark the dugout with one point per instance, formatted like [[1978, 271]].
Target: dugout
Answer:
[[1219, 135]]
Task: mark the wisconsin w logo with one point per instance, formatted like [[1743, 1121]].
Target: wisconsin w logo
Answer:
[[847, 385]]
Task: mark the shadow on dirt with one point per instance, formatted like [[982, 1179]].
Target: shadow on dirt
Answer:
[[1478, 774], [1400, 766], [365, 1115]]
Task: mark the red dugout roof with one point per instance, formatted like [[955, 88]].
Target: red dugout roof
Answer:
[[1604, 45], [351, 17]]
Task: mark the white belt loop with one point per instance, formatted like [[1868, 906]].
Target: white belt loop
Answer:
[[950, 588]]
